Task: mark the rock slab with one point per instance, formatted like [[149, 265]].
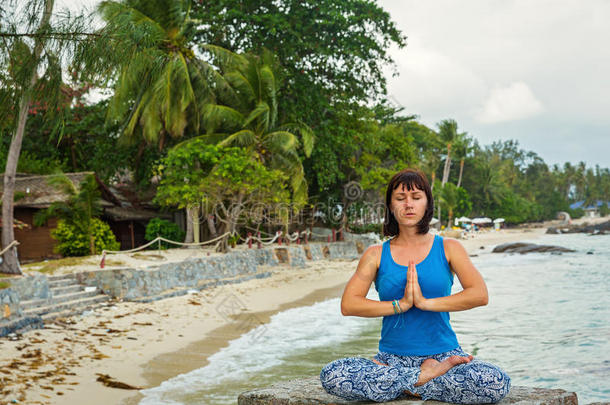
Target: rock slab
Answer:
[[523, 248], [309, 391]]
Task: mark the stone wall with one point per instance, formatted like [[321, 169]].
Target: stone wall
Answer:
[[9, 300], [34, 286], [197, 273]]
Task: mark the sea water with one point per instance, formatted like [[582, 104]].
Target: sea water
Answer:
[[547, 325]]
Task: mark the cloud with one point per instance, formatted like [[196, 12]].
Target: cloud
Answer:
[[513, 102]]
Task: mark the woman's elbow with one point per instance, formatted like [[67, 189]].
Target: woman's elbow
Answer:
[[483, 298], [347, 308]]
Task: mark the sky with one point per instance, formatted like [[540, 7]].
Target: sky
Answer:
[[536, 71], [532, 70]]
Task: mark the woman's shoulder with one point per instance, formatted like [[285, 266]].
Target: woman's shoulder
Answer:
[[373, 253]]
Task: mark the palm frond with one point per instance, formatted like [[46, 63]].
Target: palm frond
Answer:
[[261, 111], [217, 116], [282, 140], [307, 135], [243, 138], [269, 90]]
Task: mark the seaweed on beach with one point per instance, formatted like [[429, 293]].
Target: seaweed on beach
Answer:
[[108, 381]]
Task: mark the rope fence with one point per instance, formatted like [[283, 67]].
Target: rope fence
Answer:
[[337, 234]]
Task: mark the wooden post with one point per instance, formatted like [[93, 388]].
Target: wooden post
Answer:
[[133, 242], [341, 234], [306, 242], [249, 240], [334, 235], [258, 242], [298, 237], [279, 239]]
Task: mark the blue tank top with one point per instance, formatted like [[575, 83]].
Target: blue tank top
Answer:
[[416, 332]]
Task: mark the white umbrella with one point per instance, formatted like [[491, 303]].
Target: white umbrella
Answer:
[[464, 219], [481, 220], [498, 220]]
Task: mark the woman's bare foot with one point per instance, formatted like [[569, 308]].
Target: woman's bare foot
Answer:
[[431, 368]]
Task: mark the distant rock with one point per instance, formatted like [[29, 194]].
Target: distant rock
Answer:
[[602, 228], [523, 248], [309, 391]]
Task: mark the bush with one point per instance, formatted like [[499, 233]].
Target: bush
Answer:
[[376, 228], [166, 229], [74, 242], [576, 213]]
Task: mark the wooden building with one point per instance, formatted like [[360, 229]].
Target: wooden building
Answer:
[[33, 193]]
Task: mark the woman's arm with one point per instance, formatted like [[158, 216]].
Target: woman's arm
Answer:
[[474, 293], [354, 301]]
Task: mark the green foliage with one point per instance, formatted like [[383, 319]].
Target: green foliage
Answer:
[[165, 229], [72, 241], [576, 213], [333, 54], [464, 204], [244, 113], [196, 172], [80, 210]]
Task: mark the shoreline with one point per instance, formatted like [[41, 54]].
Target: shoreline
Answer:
[[145, 344]]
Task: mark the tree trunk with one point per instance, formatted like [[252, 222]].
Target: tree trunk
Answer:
[[195, 218], [10, 264], [189, 226], [447, 167], [461, 171], [211, 225], [449, 224]]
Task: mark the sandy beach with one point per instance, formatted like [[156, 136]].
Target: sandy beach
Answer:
[[145, 344]]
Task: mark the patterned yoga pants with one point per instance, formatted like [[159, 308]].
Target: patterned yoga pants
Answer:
[[356, 378]]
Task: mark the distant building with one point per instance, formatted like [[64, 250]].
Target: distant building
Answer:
[[591, 210]]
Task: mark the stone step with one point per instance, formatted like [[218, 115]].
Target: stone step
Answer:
[[24, 305], [64, 282], [69, 276], [76, 305], [67, 289], [57, 299]]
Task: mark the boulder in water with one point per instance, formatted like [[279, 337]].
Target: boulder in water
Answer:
[[522, 248]]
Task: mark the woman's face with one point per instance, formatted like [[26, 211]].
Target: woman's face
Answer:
[[408, 206]]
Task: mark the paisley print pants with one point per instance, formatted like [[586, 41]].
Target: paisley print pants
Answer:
[[354, 378]]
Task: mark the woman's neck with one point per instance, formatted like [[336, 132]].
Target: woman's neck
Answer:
[[409, 236]]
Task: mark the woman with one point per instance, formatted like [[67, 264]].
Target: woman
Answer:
[[413, 272]]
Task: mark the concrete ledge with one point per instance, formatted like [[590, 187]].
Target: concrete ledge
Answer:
[[309, 391]]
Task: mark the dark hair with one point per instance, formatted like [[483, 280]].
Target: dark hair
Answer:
[[411, 179]]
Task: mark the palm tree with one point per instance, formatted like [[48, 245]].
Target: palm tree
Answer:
[[81, 207], [462, 148], [161, 85], [447, 131], [244, 113]]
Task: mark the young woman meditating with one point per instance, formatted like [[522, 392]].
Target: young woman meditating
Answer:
[[413, 273]]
